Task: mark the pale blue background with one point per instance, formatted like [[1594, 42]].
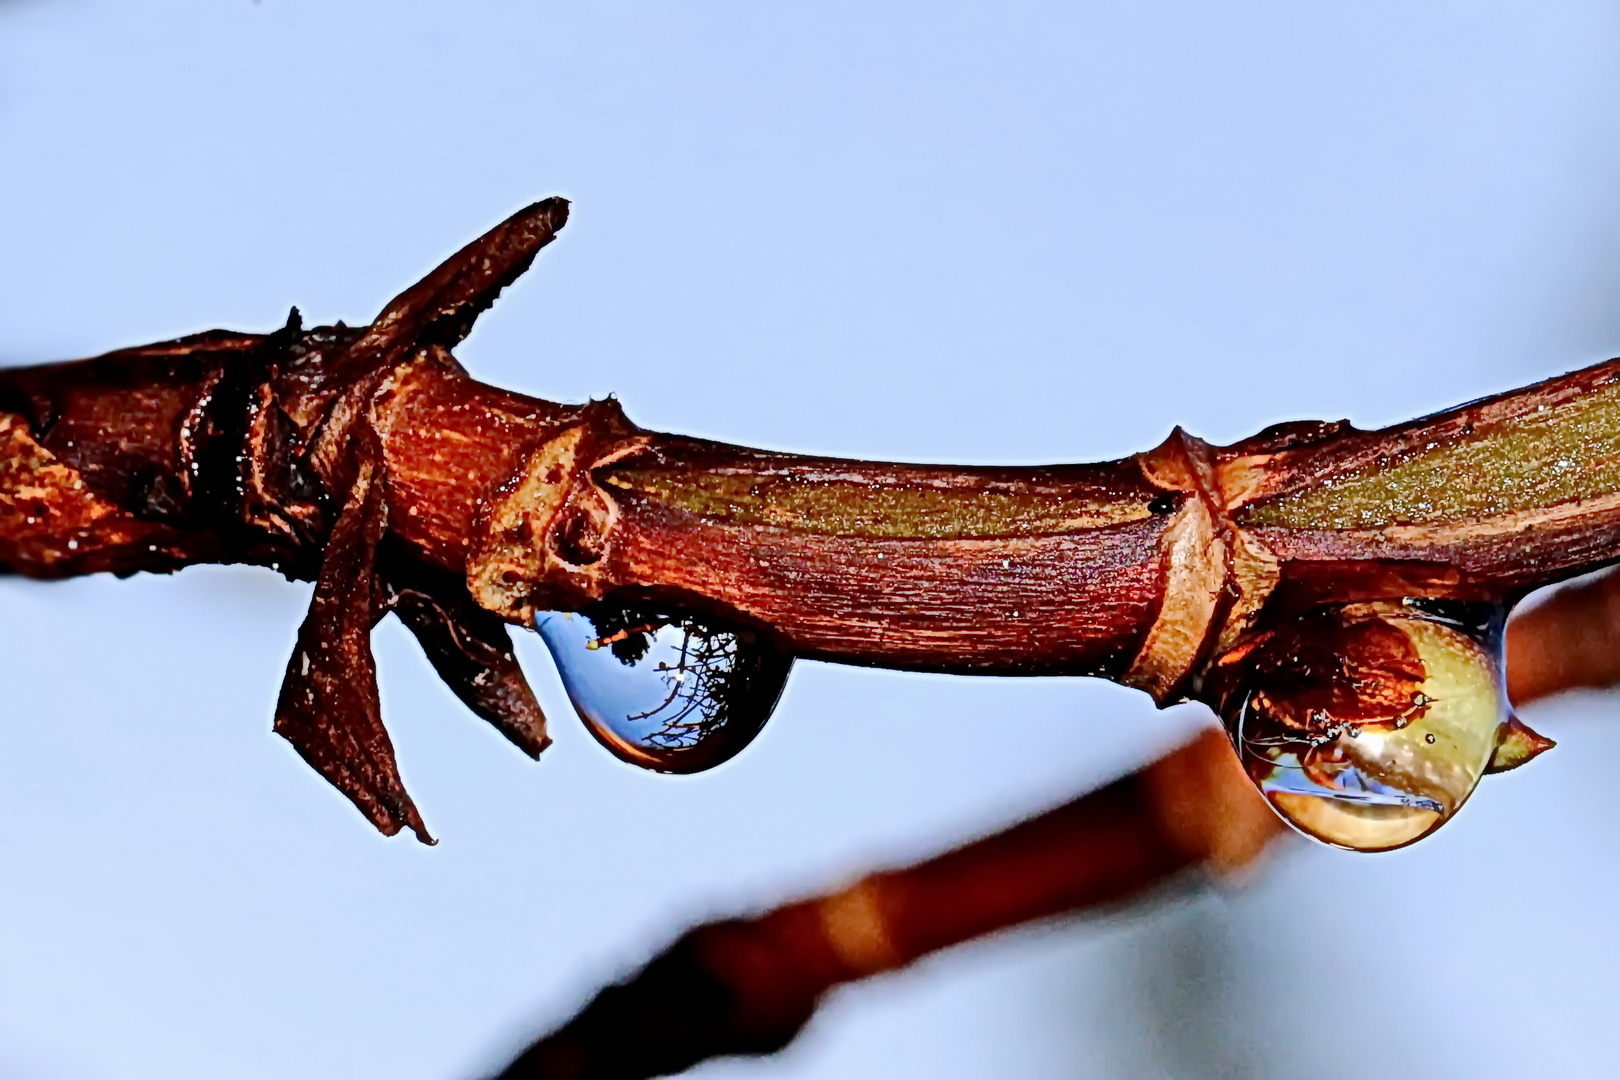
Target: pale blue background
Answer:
[[972, 232]]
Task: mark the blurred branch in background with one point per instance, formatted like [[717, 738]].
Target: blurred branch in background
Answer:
[[1568, 641], [747, 986], [750, 985]]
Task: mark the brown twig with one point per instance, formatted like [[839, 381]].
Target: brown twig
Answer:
[[367, 460]]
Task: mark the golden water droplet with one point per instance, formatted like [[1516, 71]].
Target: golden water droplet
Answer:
[[1367, 726]]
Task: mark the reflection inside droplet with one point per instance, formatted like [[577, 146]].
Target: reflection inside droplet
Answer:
[[1368, 725], [670, 692]]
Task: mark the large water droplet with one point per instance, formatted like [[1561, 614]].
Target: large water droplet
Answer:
[[1368, 725], [670, 692]]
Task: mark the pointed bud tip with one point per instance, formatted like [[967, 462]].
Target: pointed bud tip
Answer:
[[1516, 744]]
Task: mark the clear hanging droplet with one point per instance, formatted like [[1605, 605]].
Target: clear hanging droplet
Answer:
[[674, 693], [1367, 726]]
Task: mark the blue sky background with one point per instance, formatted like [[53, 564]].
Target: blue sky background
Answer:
[[1012, 232]]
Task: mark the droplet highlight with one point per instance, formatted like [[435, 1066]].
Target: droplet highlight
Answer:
[[670, 692], [1367, 726]]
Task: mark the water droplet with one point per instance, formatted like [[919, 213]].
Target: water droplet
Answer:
[[670, 692], [1368, 725]]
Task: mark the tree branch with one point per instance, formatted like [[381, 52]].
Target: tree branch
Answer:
[[367, 460]]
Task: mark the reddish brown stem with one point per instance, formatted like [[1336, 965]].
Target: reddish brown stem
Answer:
[[367, 460]]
